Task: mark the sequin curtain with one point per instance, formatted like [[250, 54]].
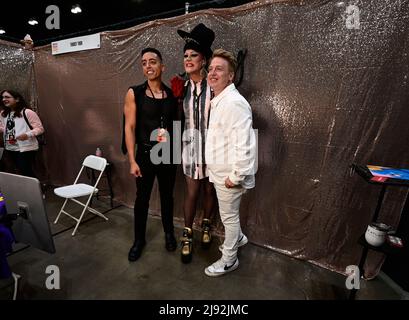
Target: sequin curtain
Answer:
[[17, 71]]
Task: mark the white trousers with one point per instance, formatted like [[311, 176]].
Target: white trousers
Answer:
[[229, 205]]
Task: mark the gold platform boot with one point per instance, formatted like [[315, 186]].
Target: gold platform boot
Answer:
[[206, 235], [187, 245]]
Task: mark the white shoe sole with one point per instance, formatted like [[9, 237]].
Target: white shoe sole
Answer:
[[218, 274]]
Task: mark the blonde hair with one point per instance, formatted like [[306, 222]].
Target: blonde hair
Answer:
[[228, 56]]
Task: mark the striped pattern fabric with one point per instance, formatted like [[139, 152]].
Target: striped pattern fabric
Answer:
[[196, 106]]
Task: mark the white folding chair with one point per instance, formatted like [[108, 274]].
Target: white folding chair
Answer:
[[81, 189]]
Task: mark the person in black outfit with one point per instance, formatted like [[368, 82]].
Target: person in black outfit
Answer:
[[149, 111]]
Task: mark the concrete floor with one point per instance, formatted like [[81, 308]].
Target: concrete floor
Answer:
[[93, 265]]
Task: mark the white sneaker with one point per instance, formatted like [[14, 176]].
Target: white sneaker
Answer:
[[242, 241], [220, 267]]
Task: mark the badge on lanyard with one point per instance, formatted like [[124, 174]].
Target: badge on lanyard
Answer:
[[162, 132]]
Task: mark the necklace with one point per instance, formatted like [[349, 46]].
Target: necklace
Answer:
[[153, 95]]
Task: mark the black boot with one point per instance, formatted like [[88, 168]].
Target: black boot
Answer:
[[136, 250], [170, 241], [187, 240]]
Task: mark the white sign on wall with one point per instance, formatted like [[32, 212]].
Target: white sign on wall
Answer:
[[92, 41]]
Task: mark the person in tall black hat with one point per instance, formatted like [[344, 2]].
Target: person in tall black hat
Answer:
[[199, 39], [196, 109]]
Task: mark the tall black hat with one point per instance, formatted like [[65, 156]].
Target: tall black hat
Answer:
[[199, 39]]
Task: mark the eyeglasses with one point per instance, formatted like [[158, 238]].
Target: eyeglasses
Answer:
[[6, 97]]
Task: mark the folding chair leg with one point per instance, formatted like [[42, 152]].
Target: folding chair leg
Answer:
[[62, 208], [16, 277], [86, 207], [97, 213], [79, 220]]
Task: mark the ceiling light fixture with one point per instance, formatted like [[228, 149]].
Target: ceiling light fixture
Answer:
[[32, 22], [76, 9], [2, 31]]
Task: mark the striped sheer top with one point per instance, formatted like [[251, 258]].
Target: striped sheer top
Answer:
[[196, 107]]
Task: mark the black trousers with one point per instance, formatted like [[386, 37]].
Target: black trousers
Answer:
[[24, 162], [166, 174]]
